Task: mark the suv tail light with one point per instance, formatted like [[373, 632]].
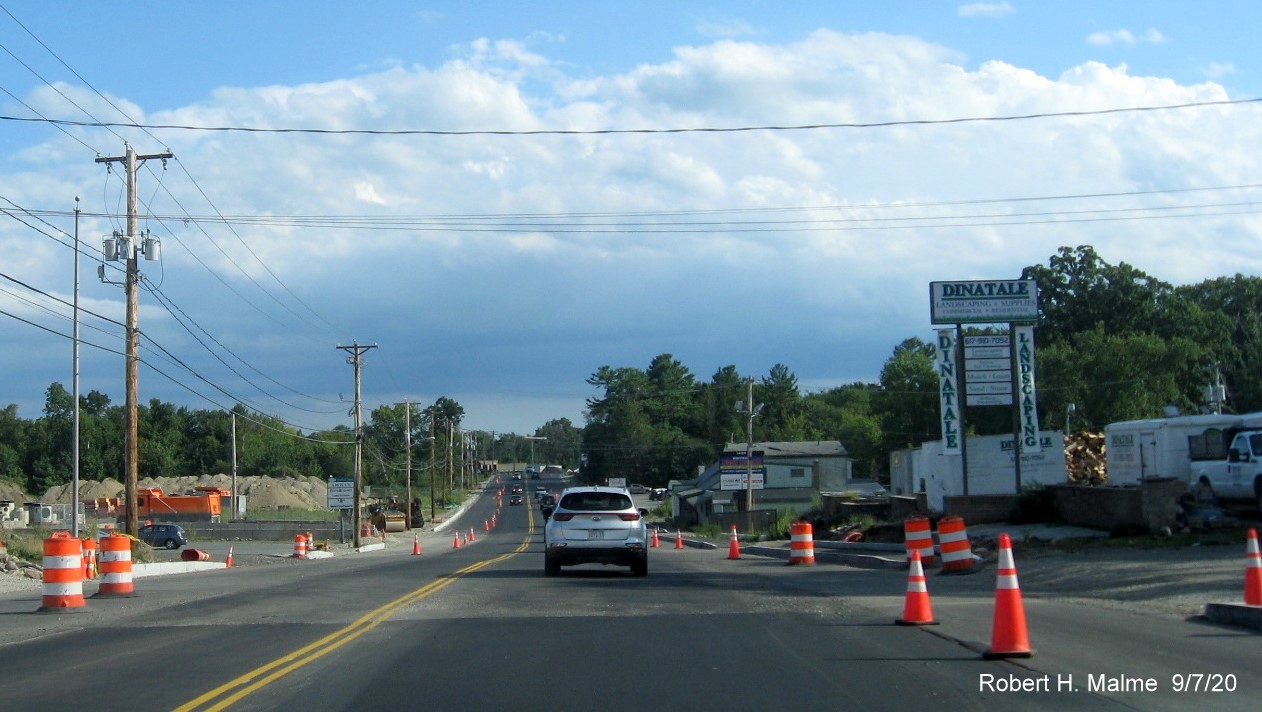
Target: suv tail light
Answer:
[[562, 517], [634, 517]]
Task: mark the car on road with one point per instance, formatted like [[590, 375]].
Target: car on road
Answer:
[[517, 489], [167, 536], [516, 499], [596, 525], [547, 503]]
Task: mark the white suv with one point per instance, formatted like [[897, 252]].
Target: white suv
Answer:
[[596, 525]]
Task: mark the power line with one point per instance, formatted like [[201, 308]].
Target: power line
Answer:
[[601, 132]]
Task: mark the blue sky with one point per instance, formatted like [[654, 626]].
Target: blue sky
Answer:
[[810, 248]]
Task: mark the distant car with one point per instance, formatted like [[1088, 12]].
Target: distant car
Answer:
[[518, 489], [657, 494], [637, 489], [597, 525], [553, 471], [516, 499], [167, 536]]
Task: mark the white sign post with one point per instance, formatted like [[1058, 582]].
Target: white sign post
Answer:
[[948, 392]]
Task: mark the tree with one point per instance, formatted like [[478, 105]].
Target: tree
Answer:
[[908, 406], [780, 418]]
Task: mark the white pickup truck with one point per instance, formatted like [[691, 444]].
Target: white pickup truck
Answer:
[[1240, 476]]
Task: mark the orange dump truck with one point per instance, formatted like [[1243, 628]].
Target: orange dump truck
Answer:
[[203, 504]]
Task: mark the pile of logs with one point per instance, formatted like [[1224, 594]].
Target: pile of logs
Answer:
[[1085, 459]]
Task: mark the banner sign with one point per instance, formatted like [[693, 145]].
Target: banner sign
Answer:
[[1027, 404], [734, 467], [983, 302], [987, 370], [947, 364]]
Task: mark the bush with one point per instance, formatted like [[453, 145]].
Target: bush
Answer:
[[1035, 505]]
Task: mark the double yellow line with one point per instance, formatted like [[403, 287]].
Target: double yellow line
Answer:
[[233, 691]]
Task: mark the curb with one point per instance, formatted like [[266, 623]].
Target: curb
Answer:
[[861, 561], [1239, 614], [174, 567]]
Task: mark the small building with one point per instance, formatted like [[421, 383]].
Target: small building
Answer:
[[797, 474]]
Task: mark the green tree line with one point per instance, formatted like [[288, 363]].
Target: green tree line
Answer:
[[1111, 340]]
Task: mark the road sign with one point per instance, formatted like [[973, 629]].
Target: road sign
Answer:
[[983, 302], [341, 493]]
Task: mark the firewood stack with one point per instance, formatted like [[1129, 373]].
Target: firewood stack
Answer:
[[1084, 458]]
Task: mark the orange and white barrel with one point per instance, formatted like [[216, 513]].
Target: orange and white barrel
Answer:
[[918, 536], [801, 543], [116, 566], [957, 553], [63, 573], [89, 558], [300, 546]]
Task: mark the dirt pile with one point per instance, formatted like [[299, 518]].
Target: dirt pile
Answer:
[[260, 492]]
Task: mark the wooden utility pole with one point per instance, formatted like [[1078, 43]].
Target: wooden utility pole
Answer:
[[356, 360], [433, 465], [131, 433]]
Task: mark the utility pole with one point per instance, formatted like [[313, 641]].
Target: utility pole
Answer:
[[433, 465], [407, 444], [750, 410], [131, 436], [235, 499], [356, 360]]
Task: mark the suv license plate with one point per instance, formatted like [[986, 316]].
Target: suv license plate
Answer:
[[595, 534]]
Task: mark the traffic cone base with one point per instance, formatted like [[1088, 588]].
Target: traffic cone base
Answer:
[[1009, 639], [917, 610], [1253, 572]]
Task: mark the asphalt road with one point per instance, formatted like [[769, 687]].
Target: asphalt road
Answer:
[[481, 628]]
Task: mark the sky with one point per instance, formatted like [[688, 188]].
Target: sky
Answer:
[[503, 197]]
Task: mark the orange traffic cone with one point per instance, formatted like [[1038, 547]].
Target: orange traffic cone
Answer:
[[679, 540], [228, 561], [734, 546], [657, 542], [472, 536], [455, 542], [917, 610], [416, 545], [1253, 572], [1009, 638]]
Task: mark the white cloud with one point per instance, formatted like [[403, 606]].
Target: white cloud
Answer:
[[1125, 37], [727, 28], [1218, 70], [985, 9], [621, 247]]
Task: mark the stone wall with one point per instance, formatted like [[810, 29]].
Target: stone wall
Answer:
[[979, 508], [1150, 505]]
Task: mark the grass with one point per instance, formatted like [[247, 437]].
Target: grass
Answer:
[[29, 546]]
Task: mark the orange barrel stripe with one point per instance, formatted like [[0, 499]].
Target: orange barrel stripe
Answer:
[[63, 572], [116, 566], [957, 553], [801, 543], [300, 546], [919, 537]]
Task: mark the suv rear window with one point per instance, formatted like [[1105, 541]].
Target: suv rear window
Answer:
[[596, 501]]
